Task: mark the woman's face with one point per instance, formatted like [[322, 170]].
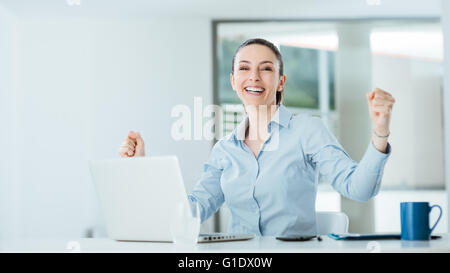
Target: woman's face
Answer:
[[256, 77]]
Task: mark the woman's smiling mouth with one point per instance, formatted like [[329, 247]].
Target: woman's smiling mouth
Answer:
[[254, 91]]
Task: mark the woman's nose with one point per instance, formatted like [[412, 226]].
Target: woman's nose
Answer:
[[254, 75]]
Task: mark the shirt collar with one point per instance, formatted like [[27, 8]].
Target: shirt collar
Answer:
[[282, 117]]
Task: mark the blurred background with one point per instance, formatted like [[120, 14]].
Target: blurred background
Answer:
[[77, 75]]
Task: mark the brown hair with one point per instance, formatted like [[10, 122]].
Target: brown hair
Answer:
[[259, 41]]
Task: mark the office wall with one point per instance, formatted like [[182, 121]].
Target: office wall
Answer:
[[6, 123], [416, 124], [79, 87], [445, 19]]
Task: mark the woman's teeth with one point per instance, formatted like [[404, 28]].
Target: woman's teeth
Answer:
[[256, 90]]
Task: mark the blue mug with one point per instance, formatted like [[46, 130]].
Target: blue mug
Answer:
[[415, 220]]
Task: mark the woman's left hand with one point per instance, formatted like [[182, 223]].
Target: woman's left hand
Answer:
[[380, 107]]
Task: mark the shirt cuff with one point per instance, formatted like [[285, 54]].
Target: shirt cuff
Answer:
[[388, 149], [374, 159]]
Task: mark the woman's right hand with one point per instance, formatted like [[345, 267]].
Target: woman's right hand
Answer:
[[132, 146]]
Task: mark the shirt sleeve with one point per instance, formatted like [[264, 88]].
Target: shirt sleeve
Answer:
[[207, 193], [357, 181]]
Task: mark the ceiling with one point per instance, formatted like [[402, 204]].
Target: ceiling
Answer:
[[223, 9]]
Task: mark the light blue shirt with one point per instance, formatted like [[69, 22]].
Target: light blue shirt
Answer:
[[274, 194]]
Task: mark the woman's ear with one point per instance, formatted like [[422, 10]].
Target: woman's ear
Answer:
[[232, 81], [281, 83]]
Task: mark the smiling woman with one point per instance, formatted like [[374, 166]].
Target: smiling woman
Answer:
[[263, 196], [265, 169]]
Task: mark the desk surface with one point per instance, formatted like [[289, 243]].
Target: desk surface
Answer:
[[258, 244]]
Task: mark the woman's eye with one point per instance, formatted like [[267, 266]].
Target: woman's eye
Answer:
[[268, 68], [243, 68]]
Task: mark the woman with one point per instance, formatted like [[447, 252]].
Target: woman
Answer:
[[265, 169]]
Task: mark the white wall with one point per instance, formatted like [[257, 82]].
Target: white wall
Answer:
[[79, 87], [416, 125], [7, 200], [446, 96]]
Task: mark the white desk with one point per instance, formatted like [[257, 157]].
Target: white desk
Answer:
[[258, 244]]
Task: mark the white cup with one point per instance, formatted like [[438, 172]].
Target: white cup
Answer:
[[185, 225]]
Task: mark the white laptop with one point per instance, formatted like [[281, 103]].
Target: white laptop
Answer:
[[139, 196]]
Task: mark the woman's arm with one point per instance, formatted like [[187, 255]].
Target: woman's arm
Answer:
[[357, 181]]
